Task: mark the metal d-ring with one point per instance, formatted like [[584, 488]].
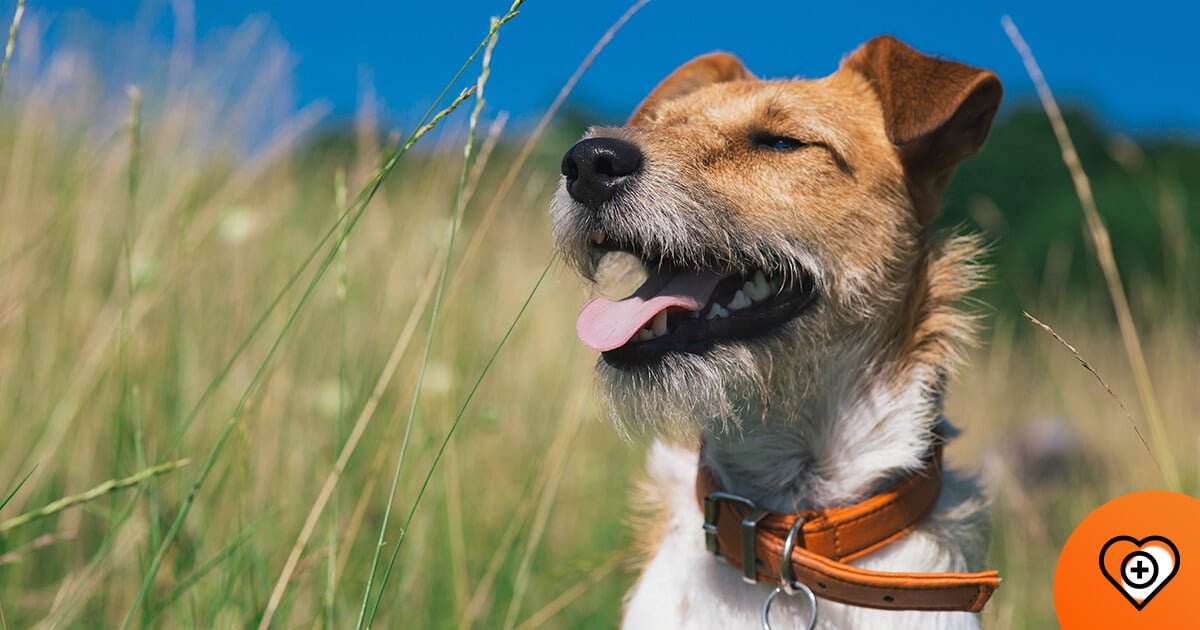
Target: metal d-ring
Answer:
[[788, 583], [795, 587], [787, 573]]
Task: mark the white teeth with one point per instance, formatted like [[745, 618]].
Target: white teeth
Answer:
[[758, 288], [656, 328], [739, 301], [751, 291], [754, 290], [716, 311], [659, 325]]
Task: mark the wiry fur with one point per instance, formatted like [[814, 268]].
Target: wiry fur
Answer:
[[834, 442], [826, 409]]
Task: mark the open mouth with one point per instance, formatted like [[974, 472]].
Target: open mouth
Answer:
[[679, 309]]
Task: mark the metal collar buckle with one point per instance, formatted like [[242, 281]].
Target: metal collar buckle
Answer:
[[749, 529]]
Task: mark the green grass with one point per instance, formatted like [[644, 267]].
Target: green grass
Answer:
[[166, 294]]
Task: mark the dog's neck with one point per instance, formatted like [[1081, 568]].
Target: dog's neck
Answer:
[[869, 419], [850, 438]]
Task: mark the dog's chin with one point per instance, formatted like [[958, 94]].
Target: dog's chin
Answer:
[[682, 393]]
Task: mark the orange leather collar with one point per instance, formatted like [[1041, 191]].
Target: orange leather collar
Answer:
[[828, 538]]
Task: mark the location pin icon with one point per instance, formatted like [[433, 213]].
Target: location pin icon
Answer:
[[1139, 569]]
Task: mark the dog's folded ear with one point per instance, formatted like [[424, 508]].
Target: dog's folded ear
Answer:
[[936, 112], [716, 67]]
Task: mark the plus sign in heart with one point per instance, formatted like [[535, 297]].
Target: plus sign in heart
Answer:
[[1132, 563], [1139, 569]]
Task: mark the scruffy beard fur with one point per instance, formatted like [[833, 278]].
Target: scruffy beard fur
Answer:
[[684, 392], [733, 384], [814, 386], [742, 380]]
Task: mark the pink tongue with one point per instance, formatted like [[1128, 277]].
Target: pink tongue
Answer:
[[609, 324]]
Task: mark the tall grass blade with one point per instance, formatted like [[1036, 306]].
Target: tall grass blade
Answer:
[[235, 417], [556, 605], [130, 398], [454, 425], [557, 456], [326, 494], [524, 506], [201, 571], [12, 42], [108, 487], [1104, 255], [455, 218], [17, 488], [531, 141], [343, 290], [351, 214], [1091, 370], [428, 121], [356, 433]]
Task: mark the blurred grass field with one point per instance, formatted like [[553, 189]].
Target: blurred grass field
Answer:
[[136, 255]]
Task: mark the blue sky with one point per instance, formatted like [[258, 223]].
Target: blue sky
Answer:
[[1134, 61]]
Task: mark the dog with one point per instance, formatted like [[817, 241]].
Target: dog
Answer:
[[801, 315]]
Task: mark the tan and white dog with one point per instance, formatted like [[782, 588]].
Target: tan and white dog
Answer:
[[797, 312]]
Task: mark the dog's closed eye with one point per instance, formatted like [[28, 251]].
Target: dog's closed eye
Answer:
[[777, 142]]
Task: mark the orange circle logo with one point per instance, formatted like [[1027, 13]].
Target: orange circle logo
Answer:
[[1134, 562]]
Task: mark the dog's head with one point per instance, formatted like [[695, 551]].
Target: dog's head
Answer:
[[781, 224]]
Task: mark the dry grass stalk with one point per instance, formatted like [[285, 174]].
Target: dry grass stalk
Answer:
[[456, 213], [79, 585], [556, 458], [485, 153], [510, 177], [1088, 366], [41, 542], [360, 427], [455, 527], [108, 487], [1104, 255], [12, 40], [485, 585], [536, 620], [234, 419]]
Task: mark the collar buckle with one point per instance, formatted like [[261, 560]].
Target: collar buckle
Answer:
[[749, 530]]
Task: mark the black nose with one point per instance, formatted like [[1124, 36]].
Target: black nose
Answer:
[[597, 167]]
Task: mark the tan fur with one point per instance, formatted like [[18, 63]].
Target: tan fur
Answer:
[[646, 520], [840, 199], [852, 209]]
